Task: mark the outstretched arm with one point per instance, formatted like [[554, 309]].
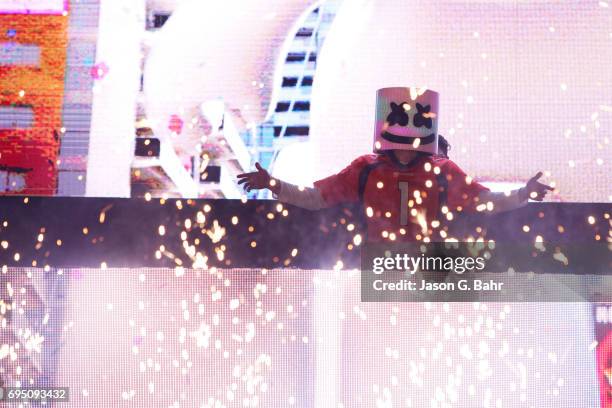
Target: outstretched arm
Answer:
[[305, 197], [505, 202]]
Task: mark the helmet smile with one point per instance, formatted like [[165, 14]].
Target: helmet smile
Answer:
[[408, 140]]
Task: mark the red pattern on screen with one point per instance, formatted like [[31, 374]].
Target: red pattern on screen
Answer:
[[42, 89]]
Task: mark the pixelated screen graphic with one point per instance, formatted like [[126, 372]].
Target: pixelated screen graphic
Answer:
[[173, 98], [602, 317], [34, 6], [286, 337]]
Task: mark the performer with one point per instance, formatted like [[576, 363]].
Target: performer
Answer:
[[405, 186]]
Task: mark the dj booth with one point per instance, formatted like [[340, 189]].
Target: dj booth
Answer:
[[221, 303], [262, 234]]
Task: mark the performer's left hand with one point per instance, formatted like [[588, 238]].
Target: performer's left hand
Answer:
[[534, 190]]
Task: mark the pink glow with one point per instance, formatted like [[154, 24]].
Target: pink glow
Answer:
[[295, 337], [33, 7]]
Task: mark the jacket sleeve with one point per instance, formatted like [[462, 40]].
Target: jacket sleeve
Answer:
[[500, 202], [305, 197], [342, 187]]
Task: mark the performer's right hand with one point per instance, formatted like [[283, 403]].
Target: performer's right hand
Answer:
[[257, 180]]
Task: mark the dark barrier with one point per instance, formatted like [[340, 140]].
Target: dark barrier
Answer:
[[90, 232]]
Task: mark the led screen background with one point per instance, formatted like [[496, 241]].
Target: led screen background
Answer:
[[525, 86], [292, 337]]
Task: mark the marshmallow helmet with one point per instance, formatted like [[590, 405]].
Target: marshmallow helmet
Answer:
[[406, 119]]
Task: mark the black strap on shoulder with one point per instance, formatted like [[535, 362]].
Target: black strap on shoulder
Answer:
[[363, 177]]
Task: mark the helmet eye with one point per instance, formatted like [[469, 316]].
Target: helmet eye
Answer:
[[398, 115], [423, 117]]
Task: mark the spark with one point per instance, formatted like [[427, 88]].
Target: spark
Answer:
[[422, 221], [216, 232], [560, 256], [200, 218]]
